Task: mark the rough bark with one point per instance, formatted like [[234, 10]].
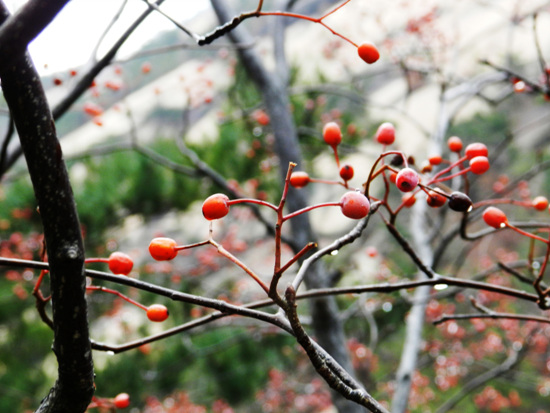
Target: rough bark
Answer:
[[31, 114]]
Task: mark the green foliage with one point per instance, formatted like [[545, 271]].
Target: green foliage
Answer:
[[490, 128], [217, 363], [24, 346]]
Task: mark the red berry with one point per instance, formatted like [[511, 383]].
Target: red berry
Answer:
[[479, 165], [93, 109], [261, 117], [454, 143], [476, 149], [495, 217], [299, 179], [368, 52], [371, 251], [332, 134], [163, 249], [426, 168], [346, 172], [385, 134], [122, 400], [540, 203], [120, 263], [435, 199], [146, 68], [407, 179], [215, 206], [408, 200], [435, 159], [57, 81], [354, 205], [157, 313]]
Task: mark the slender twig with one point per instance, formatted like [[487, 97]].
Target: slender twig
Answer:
[[334, 246], [409, 250], [107, 29], [338, 379], [540, 55], [188, 32]]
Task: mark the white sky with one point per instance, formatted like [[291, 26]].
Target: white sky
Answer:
[[68, 41]]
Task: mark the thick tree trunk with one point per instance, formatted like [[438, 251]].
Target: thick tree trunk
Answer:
[[31, 114]]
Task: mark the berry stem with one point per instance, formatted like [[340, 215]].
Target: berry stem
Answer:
[[336, 158], [318, 20], [296, 257], [325, 181], [252, 201], [458, 162], [39, 281], [502, 201], [278, 236], [373, 174], [527, 234], [448, 177], [222, 251], [189, 246], [94, 260], [118, 294], [309, 208], [538, 280]]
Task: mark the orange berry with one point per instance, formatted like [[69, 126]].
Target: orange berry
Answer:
[[435, 199], [157, 313], [215, 206], [332, 133], [93, 109], [435, 160], [120, 263], [495, 217], [146, 68], [163, 249], [479, 165], [346, 172], [368, 52], [299, 179], [408, 199], [476, 149], [540, 203], [454, 143], [122, 400]]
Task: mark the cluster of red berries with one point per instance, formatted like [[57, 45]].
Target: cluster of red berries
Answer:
[[122, 264]]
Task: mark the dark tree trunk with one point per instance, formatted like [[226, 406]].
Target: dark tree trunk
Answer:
[[31, 114]]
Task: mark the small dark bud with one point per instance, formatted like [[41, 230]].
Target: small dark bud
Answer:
[[460, 202], [397, 160]]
